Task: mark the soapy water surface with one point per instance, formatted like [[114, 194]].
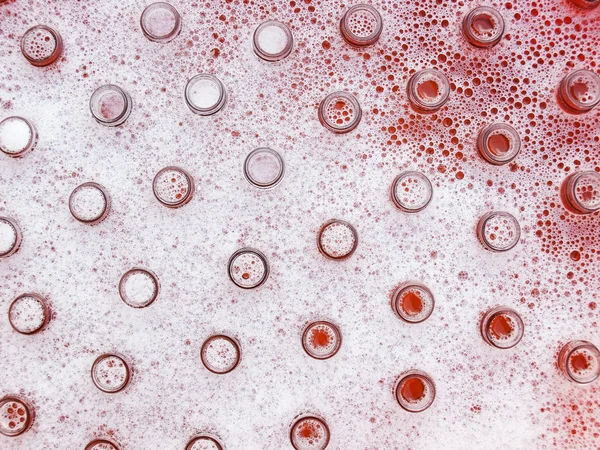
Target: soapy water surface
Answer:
[[485, 398]]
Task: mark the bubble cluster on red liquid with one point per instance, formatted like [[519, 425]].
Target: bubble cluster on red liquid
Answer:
[[362, 23], [39, 44]]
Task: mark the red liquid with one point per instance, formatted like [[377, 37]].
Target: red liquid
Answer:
[[579, 362], [308, 430], [482, 24], [412, 304], [579, 90], [320, 338], [498, 144], [413, 389], [501, 327], [428, 90], [112, 106]]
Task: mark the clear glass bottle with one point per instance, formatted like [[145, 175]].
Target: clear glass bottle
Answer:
[[499, 143], [204, 442], [17, 415], [89, 203], [414, 391], [340, 112], [102, 444], [337, 239], [321, 339], [580, 192], [221, 353], [10, 237], [309, 432], [413, 302], [17, 136], [428, 90], [579, 362], [29, 313], [205, 94], [139, 287], [173, 187], [498, 231], [483, 26], [587, 4], [110, 105], [411, 191], [361, 25], [111, 373], [41, 45], [160, 22], [579, 91], [248, 268], [272, 41], [502, 327], [264, 168]]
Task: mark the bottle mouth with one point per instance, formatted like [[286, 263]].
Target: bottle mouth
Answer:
[[337, 239], [205, 94], [111, 373], [340, 112], [414, 391], [499, 231], [502, 328], [248, 268], [582, 362], [428, 90], [413, 302], [309, 432], [411, 191], [41, 45], [361, 25], [173, 187], [483, 27], [102, 444], [17, 136], [110, 105], [273, 41], [10, 237], [499, 144], [321, 339], [17, 415], [139, 287], [264, 168], [579, 91], [220, 354], [204, 441], [160, 22], [89, 203], [29, 313]]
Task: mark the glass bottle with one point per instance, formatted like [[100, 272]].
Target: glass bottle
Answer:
[[10, 237], [17, 136], [428, 90], [102, 444], [309, 432], [205, 94], [139, 287], [89, 203], [29, 313], [111, 373], [483, 26], [498, 143], [17, 414], [337, 239], [204, 442], [413, 302], [160, 22], [272, 41], [579, 362], [221, 353], [361, 25], [173, 187], [415, 391], [340, 112], [498, 231], [579, 91], [248, 268], [321, 339], [411, 191], [502, 327], [580, 192], [41, 45], [264, 168], [110, 105]]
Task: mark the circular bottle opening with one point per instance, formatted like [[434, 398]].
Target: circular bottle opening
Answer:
[[204, 442], [413, 302], [309, 432], [110, 105], [29, 313], [139, 288], [428, 90], [248, 268], [41, 45], [502, 328], [111, 373], [89, 203], [337, 239], [483, 26], [361, 25], [220, 354], [10, 237], [580, 192], [102, 444], [205, 94], [579, 91], [340, 112], [411, 191], [17, 136], [499, 144], [273, 41], [173, 187], [580, 362], [498, 231], [16, 415], [587, 4], [160, 22], [321, 339], [264, 168], [415, 391]]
